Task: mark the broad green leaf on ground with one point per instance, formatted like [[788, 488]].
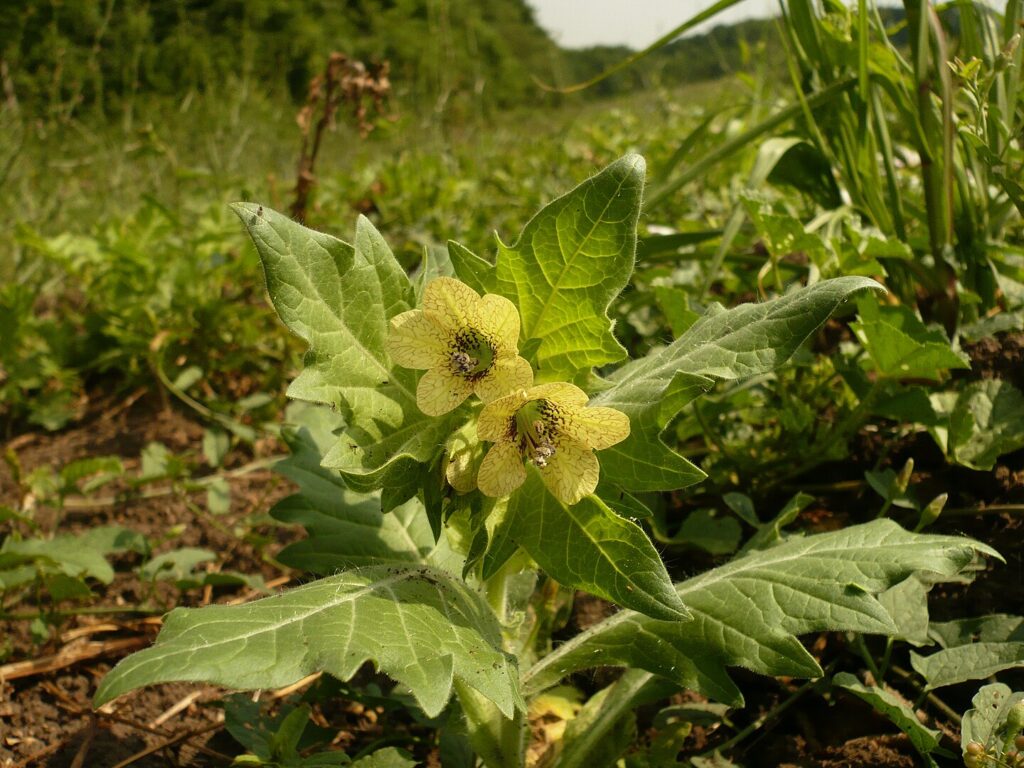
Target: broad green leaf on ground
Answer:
[[987, 422], [339, 298], [589, 547], [701, 529], [901, 346], [747, 340], [985, 722], [567, 265], [348, 529], [748, 613], [996, 628], [419, 626], [176, 565], [968, 662], [73, 555], [899, 713]]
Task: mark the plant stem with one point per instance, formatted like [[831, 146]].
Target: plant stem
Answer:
[[862, 649], [498, 741], [927, 695]]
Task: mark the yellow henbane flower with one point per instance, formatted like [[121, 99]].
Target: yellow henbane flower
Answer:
[[550, 426], [466, 344]]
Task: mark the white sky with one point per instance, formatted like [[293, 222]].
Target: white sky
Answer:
[[636, 23]]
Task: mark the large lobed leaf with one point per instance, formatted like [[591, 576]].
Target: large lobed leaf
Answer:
[[749, 612], [590, 547], [567, 265], [971, 649], [747, 340], [347, 529], [339, 298], [418, 625]]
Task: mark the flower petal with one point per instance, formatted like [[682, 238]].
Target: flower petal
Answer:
[[572, 472], [451, 302], [496, 417], [439, 392], [502, 471], [499, 319], [415, 342], [507, 375], [560, 393], [596, 428]]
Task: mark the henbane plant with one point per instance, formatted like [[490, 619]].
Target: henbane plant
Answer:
[[485, 427]]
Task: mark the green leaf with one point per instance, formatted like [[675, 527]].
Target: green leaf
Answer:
[[589, 547], [63, 587], [100, 470], [339, 299], [64, 553], [925, 740], [715, 535], [216, 444], [968, 662], [748, 613], [347, 529], [419, 626], [567, 265], [177, 565], [604, 727], [748, 340], [996, 628], [155, 461], [218, 496], [987, 422], [675, 305], [901, 346], [985, 722], [389, 757], [188, 377], [474, 271], [907, 603]]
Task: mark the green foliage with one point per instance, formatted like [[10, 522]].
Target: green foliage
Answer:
[[567, 265], [972, 649], [925, 740], [420, 626], [417, 557], [277, 741], [988, 724], [747, 613]]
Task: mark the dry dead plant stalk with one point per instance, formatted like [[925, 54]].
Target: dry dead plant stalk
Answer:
[[343, 81]]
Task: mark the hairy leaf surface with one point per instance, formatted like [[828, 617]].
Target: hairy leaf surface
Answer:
[[418, 625], [567, 265], [900, 714], [347, 529], [747, 340], [588, 546], [749, 612], [339, 298]]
